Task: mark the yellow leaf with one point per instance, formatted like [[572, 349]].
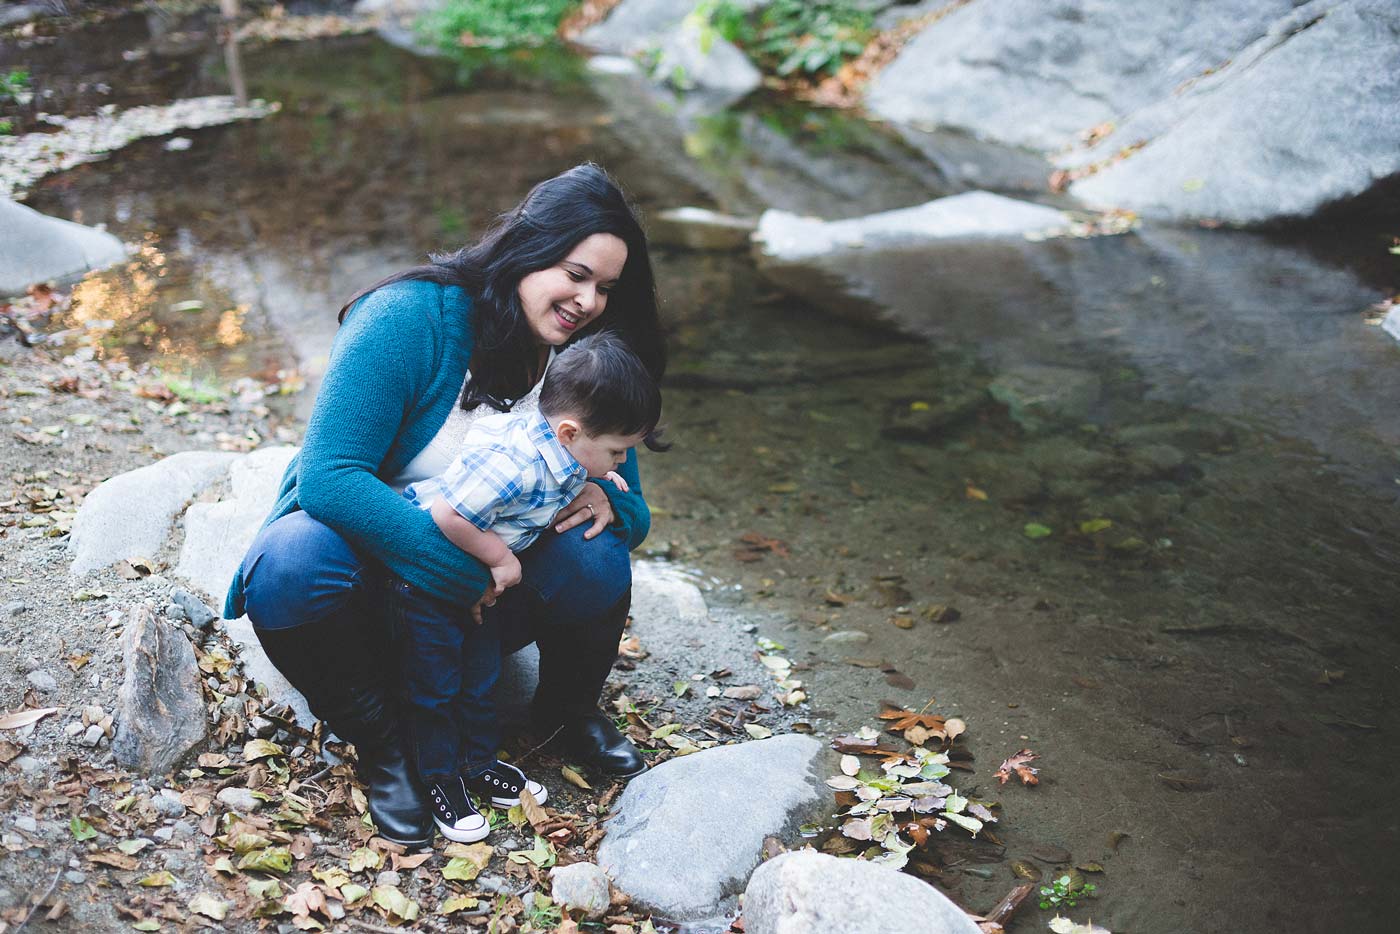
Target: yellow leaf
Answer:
[[157, 880], [976, 493], [757, 731]]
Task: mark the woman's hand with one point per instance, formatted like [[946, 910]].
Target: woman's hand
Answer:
[[591, 505]]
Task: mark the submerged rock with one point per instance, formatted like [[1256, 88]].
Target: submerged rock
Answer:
[[133, 513], [1036, 395], [796, 893], [745, 793], [160, 705], [37, 248]]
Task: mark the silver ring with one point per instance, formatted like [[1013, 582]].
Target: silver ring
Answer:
[[591, 511]]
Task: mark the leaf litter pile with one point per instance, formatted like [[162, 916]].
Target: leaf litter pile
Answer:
[[899, 808]]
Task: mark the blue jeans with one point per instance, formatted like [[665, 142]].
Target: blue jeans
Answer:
[[571, 601]]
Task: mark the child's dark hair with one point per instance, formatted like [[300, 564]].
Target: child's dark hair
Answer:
[[601, 382]]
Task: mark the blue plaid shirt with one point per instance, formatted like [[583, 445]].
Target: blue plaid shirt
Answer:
[[511, 477]]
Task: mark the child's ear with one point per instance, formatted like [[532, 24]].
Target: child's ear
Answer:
[[567, 431]]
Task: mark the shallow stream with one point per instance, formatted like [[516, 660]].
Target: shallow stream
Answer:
[[1202, 647]]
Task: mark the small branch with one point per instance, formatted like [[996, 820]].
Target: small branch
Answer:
[[1005, 908], [45, 897]]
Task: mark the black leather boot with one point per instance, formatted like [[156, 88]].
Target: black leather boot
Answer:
[[333, 667], [574, 666]]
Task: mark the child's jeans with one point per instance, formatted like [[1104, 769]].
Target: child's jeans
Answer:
[[448, 666]]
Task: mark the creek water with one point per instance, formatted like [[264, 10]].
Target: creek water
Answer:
[[1200, 427]]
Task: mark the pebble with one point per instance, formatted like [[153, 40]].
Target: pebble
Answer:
[[241, 800], [41, 680], [164, 834], [28, 764], [27, 824], [232, 706], [493, 884], [75, 877], [182, 828], [15, 608], [93, 736], [298, 752], [194, 608], [847, 637], [168, 803], [262, 726], [73, 728], [175, 611], [387, 877]]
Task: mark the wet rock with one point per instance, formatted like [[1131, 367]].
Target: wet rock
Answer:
[[133, 513], [194, 608], [241, 800], [37, 248], [809, 891], [700, 229], [42, 681], [753, 790], [636, 25], [1037, 395], [581, 887], [928, 420], [160, 705], [217, 535], [955, 221], [1155, 460], [847, 637]]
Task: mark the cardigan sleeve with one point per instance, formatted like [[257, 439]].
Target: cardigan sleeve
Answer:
[[381, 365], [633, 516]]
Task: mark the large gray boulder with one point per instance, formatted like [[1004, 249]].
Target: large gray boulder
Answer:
[[37, 248], [693, 58], [806, 892], [1304, 117], [721, 802], [636, 25], [1037, 74], [132, 514], [160, 704]]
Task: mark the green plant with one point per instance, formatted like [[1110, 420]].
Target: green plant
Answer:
[[7, 127], [14, 84], [787, 36], [494, 23], [1065, 892]]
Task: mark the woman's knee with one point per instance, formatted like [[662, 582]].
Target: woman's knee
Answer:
[[299, 570], [586, 576]]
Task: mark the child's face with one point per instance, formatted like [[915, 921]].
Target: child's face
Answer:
[[597, 453]]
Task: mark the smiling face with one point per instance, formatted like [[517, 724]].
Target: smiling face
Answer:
[[560, 301]]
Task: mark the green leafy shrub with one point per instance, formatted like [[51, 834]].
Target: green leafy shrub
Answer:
[[14, 84], [1065, 892], [495, 23], [788, 36]]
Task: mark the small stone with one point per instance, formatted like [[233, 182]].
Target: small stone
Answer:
[[847, 637], [42, 681], [581, 887], [164, 834], [232, 706], [27, 824], [241, 800], [75, 877], [493, 884], [182, 828], [173, 611], [298, 752], [93, 736], [167, 803], [213, 683], [194, 608], [73, 728], [387, 877], [262, 727], [27, 664], [14, 608], [28, 764]]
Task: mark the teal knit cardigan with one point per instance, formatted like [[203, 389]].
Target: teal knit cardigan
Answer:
[[396, 369]]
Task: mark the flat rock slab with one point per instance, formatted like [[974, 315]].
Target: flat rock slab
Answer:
[[132, 514], [806, 891], [37, 248], [217, 535], [710, 810], [972, 216], [160, 705]]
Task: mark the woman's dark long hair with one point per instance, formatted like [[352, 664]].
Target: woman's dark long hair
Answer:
[[538, 233]]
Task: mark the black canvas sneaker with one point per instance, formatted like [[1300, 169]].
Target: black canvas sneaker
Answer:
[[502, 783], [456, 817]]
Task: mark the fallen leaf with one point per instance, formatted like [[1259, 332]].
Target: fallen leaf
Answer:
[[307, 898], [533, 812], [135, 845], [256, 749], [158, 880], [1036, 530], [22, 718], [953, 728], [396, 905], [365, 858], [574, 778], [81, 829], [457, 903], [211, 906], [900, 680], [401, 862], [975, 493], [1018, 765], [1050, 853], [743, 692], [1185, 781], [114, 860], [276, 859], [850, 765], [757, 731]]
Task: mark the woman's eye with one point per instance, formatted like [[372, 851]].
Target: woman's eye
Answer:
[[575, 276]]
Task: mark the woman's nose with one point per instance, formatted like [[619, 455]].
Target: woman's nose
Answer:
[[587, 296]]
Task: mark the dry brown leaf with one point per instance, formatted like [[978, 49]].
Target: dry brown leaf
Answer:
[[400, 862], [533, 812], [22, 718], [1019, 765]]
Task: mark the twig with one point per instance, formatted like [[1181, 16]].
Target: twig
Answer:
[[1005, 908], [547, 741], [377, 928], [45, 897]]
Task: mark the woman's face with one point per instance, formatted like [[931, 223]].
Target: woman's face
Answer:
[[561, 300]]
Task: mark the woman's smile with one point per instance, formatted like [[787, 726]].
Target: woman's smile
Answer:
[[564, 298]]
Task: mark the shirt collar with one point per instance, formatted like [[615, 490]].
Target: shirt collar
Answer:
[[556, 457]]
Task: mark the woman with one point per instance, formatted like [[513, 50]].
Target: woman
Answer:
[[326, 577]]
